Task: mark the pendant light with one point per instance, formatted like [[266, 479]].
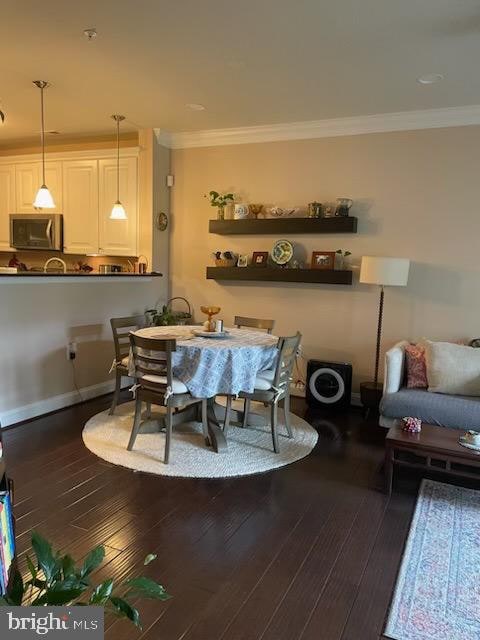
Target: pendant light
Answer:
[[43, 199], [118, 212]]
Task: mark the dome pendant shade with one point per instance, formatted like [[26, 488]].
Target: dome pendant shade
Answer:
[[43, 199], [118, 212]]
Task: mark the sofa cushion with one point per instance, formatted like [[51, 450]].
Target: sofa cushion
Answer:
[[453, 368], [458, 412]]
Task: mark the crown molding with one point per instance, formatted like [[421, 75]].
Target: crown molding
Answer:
[[164, 138], [84, 154], [352, 126]]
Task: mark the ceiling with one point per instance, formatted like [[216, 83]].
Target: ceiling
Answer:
[[249, 62]]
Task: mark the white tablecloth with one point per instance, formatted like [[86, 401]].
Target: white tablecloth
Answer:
[[211, 366]]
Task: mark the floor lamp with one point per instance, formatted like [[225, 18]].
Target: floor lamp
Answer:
[[385, 272]]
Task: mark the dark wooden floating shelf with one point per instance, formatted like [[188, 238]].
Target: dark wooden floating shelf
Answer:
[[284, 225], [277, 274]]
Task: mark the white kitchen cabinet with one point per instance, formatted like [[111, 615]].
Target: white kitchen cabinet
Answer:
[[118, 237], [27, 183], [7, 203], [28, 180], [80, 206]]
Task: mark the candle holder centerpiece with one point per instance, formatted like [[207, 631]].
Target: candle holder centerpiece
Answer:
[[210, 311]]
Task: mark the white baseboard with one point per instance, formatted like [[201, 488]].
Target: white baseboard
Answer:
[[61, 401]]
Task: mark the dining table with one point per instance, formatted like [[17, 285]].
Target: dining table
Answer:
[[216, 365]]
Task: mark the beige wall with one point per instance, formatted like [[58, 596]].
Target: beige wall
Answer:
[[416, 195], [38, 320]]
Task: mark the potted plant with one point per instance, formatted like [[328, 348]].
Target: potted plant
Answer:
[[220, 201], [56, 580]]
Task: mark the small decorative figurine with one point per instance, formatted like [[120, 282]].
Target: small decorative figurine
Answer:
[[412, 425], [315, 210]]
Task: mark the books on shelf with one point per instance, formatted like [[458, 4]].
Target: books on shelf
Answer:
[[7, 539]]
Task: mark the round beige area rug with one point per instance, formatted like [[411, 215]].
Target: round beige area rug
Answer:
[[249, 450]]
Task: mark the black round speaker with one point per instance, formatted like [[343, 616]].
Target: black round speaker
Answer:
[[329, 384]]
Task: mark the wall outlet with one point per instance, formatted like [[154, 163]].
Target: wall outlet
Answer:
[[297, 389], [71, 350]]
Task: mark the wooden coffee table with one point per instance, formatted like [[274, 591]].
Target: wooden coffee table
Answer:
[[433, 449]]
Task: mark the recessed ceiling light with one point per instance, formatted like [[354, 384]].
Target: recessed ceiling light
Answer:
[[430, 78], [193, 106], [90, 34]]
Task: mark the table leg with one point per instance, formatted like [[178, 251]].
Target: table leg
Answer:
[[217, 437], [388, 470]]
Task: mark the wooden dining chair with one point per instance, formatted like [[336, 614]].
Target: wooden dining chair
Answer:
[[121, 328], [155, 384], [273, 386], [254, 323]]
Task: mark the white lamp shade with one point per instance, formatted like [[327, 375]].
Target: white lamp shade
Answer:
[[43, 199], [118, 212], [384, 271]]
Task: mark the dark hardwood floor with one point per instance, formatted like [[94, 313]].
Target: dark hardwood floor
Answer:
[[307, 552]]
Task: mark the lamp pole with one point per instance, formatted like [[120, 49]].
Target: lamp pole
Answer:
[[379, 334]]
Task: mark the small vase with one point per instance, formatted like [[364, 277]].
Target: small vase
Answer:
[[221, 213]]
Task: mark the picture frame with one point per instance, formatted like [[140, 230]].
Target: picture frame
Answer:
[[242, 260], [259, 258], [323, 260]]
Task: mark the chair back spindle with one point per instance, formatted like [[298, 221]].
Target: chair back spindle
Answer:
[[121, 328], [152, 359], [287, 351]]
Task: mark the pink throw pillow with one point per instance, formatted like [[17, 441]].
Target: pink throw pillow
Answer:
[[416, 367]]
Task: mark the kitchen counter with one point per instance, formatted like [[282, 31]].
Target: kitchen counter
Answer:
[[76, 276]]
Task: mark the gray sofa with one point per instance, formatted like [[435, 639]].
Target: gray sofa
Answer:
[[458, 412]]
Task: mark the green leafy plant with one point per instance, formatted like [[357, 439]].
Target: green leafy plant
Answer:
[[56, 580], [342, 253], [220, 200], [166, 317]]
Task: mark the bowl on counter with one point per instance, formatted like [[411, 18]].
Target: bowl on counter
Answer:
[[110, 268]]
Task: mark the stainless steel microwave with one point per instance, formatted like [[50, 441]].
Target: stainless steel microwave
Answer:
[[36, 231]]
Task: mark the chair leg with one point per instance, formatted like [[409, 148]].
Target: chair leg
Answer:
[[136, 424], [274, 419], [168, 433], [228, 412], [246, 411], [286, 411], [205, 422], [116, 393], [148, 413]]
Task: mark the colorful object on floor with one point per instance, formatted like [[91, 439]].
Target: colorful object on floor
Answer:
[[7, 540], [249, 450], [412, 425], [436, 595]]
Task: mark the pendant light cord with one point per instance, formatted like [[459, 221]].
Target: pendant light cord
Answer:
[[118, 160], [43, 135]]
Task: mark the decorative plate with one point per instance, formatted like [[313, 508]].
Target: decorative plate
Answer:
[[211, 334], [468, 445], [162, 221], [282, 252]]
